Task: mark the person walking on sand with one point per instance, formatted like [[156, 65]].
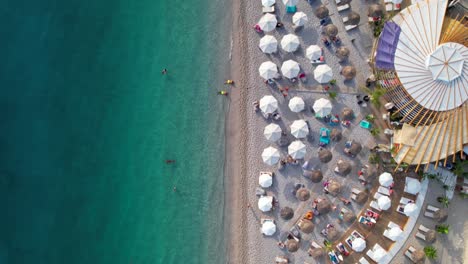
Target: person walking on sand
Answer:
[[164, 71]]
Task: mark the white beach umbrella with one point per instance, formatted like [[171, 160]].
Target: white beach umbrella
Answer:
[[384, 202], [296, 104], [270, 156], [410, 209], [396, 2], [268, 44], [268, 104], [299, 18], [413, 186], [297, 150], [272, 132], [385, 179], [323, 73], [313, 52], [290, 43], [359, 244], [290, 2], [394, 233], [290, 69], [268, 3], [322, 107], [265, 180], [268, 70], [379, 253], [268, 22], [265, 203], [268, 228], [299, 129]]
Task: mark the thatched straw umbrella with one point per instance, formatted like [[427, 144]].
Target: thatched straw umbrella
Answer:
[[344, 167], [362, 197], [371, 173], [316, 252], [349, 217], [419, 256], [332, 234], [306, 226], [331, 30], [292, 245], [334, 188], [336, 135], [324, 206], [376, 10], [303, 194], [348, 72], [321, 12], [325, 155], [431, 236], [342, 53], [441, 215], [355, 148], [347, 114], [354, 18], [287, 213]]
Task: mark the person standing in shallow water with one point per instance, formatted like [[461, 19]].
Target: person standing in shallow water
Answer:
[[164, 71]]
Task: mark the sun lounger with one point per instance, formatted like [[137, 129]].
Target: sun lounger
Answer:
[[387, 1], [389, 7], [345, 19], [353, 197], [281, 260], [423, 229], [337, 2], [370, 254], [432, 208], [343, 7], [363, 260], [392, 225], [429, 214], [421, 236], [409, 253], [375, 205], [268, 9], [377, 195], [385, 233], [356, 234], [350, 27], [384, 190], [355, 190], [405, 201]]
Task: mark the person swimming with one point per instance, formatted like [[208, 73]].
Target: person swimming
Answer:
[[229, 82], [170, 161], [225, 93]]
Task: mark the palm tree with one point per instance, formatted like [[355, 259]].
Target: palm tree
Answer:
[[328, 246], [370, 118], [375, 131], [444, 200], [443, 229], [332, 95], [430, 252]]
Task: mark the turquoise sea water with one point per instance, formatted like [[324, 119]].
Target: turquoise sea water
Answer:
[[87, 119]]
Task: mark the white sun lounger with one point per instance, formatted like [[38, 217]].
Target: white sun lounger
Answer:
[[343, 7], [429, 214], [375, 205], [353, 197], [355, 190], [384, 190], [337, 2], [387, 1], [405, 200], [385, 233], [345, 19], [389, 7], [268, 9], [423, 229], [377, 195], [409, 252], [432, 208], [421, 236], [363, 260], [350, 27]]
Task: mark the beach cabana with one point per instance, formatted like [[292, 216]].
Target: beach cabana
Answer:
[[270, 156], [313, 52], [385, 179], [359, 244], [323, 73], [290, 69], [348, 72], [299, 19], [321, 12], [376, 10], [290, 43], [353, 18], [347, 114], [322, 107], [265, 180], [325, 155], [384, 202], [268, 44], [287, 213], [268, 70], [410, 209], [265, 203], [268, 3], [296, 104], [268, 104], [303, 194], [268, 22], [297, 150], [299, 129], [268, 228], [331, 30], [272, 132]]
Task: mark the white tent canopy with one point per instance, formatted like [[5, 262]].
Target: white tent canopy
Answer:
[[268, 70], [297, 150], [299, 129], [394, 233], [290, 2], [410, 209], [265, 180], [379, 254], [313, 52], [268, 22], [290, 69], [265, 203], [323, 73], [268, 228], [290, 43], [267, 3], [322, 107], [270, 156], [272, 132], [268, 104], [385, 179], [412, 186], [384, 202], [296, 104], [268, 44], [359, 244], [299, 19]]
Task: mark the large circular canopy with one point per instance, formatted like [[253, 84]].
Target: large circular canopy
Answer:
[[384, 202], [268, 2], [385, 179], [322, 107], [359, 244], [445, 63]]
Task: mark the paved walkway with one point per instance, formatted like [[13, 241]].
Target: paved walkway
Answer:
[[445, 177]]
